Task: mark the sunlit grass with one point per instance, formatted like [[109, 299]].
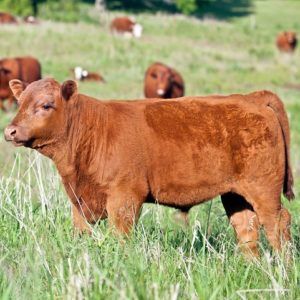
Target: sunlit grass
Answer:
[[41, 257]]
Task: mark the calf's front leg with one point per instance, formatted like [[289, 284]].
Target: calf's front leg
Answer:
[[123, 211], [79, 221]]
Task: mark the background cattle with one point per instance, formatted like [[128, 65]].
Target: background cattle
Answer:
[[83, 75], [286, 41], [162, 81], [27, 69], [31, 20], [114, 156], [6, 18], [126, 26]]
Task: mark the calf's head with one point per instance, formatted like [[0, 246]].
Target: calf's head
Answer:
[[162, 78], [42, 113]]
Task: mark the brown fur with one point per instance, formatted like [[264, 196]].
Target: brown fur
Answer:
[[93, 76], [286, 41], [114, 156], [161, 77], [6, 18], [122, 25], [27, 69]]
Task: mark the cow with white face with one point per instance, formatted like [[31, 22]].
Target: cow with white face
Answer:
[[127, 27], [81, 74]]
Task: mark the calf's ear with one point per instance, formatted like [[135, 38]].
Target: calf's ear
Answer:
[[68, 89], [17, 87]]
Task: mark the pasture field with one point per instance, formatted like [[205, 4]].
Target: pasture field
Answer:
[[40, 255]]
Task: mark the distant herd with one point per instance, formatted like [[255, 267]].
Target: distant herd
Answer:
[[114, 156], [161, 81]]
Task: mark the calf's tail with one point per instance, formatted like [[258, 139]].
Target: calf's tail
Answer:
[[277, 106]]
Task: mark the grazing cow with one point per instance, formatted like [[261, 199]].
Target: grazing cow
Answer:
[[114, 156], [126, 26], [162, 81], [83, 75], [6, 18], [27, 69], [286, 41]]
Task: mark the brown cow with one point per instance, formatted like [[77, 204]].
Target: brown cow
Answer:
[[27, 69], [114, 156], [83, 75], [162, 81], [6, 18], [286, 41], [126, 26]]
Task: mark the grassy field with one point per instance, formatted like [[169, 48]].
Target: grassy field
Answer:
[[40, 255]]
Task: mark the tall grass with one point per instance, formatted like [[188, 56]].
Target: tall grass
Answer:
[[41, 257]]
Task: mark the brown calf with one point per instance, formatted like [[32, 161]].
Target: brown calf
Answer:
[[162, 81], [286, 41], [27, 69], [126, 26], [6, 18], [114, 156]]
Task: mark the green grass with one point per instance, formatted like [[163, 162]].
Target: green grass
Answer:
[[42, 258]]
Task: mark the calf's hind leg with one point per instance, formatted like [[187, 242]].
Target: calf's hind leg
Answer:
[[244, 221], [285, 224], [272, 216], [182, 216]]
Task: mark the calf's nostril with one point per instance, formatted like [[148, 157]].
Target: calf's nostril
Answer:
[[13, 132], [10, 133]]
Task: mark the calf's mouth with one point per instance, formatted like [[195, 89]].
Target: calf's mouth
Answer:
[[17, 136]]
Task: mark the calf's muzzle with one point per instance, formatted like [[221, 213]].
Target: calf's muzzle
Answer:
[[10, 132]]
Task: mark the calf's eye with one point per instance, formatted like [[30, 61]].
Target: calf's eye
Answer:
[[47, 106]]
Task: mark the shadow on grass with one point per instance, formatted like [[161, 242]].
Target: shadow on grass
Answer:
[[219, 9], [136, 6], [224, 9], [196, 242]]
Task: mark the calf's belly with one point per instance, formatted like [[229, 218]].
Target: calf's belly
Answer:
[[183, 195], [186, 179]]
